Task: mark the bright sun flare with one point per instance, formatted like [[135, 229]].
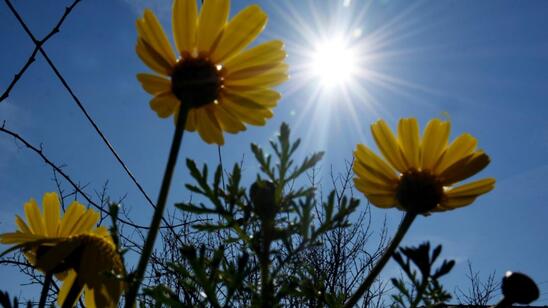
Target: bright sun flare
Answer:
[[333, 62]]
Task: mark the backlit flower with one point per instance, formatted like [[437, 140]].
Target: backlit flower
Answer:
[[223, 85], [418, 174], [73, 248]]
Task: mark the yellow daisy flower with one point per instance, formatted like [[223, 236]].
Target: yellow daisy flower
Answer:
[[223, 85], [417, 175], [73, 248]]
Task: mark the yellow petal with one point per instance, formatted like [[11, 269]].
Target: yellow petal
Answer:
[[65, 288], [89, 295], [267, 55], [434, 141], [52, 213], [184, 23], [408, 136], [152, 58], [460, 148], [151, 31], [380, 200], [36, 222], [211, 22], [22, 225], [241, 31], [190, 120], [464, 168], [228, 122], [208, 127], [164, 104], [245, 110], [454, 203], [374, 188], [71, 217], [472, 189], [86, 222], [270, 78], [154, 84], [262, 96], [373, 166], [19, 237], [388, 145]]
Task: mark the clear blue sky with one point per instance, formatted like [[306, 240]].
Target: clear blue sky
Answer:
[[484, 63]]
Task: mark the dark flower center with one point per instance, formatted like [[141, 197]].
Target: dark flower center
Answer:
[[419, 191], [196, 82], [72, 261]]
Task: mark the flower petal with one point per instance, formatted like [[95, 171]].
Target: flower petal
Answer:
[[408, 136], [464, 168], [34, 217], [71, 217], [472, 189], [19, 237], [66, 287], [210, 23], [434, 141], [267, 55], [184, 24], [460, 148], [388, 145], [245, 110], [239, 32], [154, 84], [164, 104], [52, 213], [208, 127], [378, 200], [152, 58], [86, 222], [22, 225], [270, 78], [190, 120], [263, 96], [374, 168], [228, 122], [150, 30]]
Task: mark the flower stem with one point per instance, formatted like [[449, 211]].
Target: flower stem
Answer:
[[160, 206], [402, 230], [45, 290]]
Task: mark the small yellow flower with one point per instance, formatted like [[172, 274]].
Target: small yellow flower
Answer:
[[417, 175], [73, 248], [223, 85]]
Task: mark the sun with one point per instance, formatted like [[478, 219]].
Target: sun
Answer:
[[333, 62]]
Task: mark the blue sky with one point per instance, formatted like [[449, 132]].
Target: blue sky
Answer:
[[484, 64]]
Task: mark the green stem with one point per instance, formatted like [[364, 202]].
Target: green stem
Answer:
[[266, 287], [45, 290], [402, 230], [160, 206]]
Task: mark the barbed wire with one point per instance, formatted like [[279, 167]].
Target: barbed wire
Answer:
[[38, 48]]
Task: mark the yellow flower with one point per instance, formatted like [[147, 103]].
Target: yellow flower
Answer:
[[73, 248], [223, 85], [417, 175]]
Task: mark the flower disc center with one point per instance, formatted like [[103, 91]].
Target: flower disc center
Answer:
[[196, 82], [419, 191]]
